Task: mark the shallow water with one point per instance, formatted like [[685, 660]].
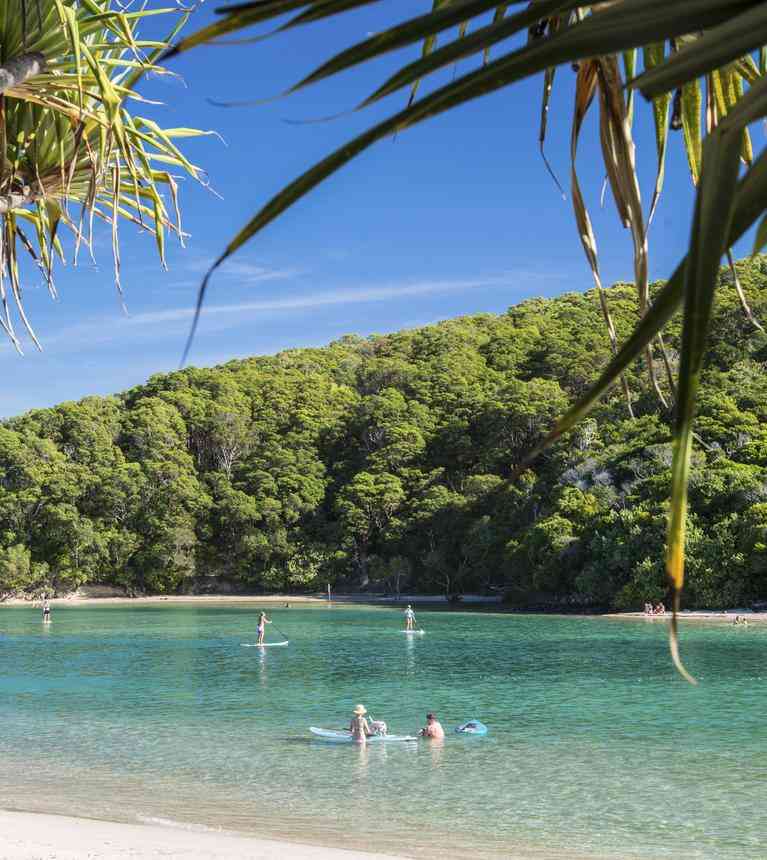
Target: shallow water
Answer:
[[596, 748]]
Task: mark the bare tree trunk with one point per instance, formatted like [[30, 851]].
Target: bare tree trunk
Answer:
[[20, 69]]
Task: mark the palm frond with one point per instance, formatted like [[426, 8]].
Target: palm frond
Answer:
[[70, 140]]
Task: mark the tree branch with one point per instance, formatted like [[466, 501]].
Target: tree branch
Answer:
[[20, 69]]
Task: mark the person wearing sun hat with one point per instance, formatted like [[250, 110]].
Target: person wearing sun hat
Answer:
[[359, 725]]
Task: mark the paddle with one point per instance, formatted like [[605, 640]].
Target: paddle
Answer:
[[277, 630]]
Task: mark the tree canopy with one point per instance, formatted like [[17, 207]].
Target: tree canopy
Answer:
[[393, 462]]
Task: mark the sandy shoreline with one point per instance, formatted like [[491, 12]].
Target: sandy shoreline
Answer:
[[42, 836], [319, 600], [725, 616], [35, 836], [469, 602]]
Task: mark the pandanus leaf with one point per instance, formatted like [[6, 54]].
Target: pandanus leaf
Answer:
[[708, 241], [692, 104], [729, 41], [429, 44], [499, 15], [585, 88], [654, 55]]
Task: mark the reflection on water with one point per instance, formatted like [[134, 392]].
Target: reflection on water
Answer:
[[362, 762], [262, 679], [410, 652], [436, 748], [594, 742]]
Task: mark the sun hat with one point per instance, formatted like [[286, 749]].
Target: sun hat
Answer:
[[361, 710]]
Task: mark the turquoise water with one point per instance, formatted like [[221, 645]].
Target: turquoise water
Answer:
[[596, 748]]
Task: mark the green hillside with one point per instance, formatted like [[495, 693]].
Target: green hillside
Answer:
[[384, 463]]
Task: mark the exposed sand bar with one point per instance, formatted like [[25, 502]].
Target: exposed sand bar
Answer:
[[32, 836]]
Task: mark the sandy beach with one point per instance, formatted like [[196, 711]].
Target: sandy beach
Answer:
[[724, 616], [32, 836], [84, 597]]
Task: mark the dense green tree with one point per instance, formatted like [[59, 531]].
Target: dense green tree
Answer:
[[390, 463]]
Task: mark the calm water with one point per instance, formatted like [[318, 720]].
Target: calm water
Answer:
[[595, 748]]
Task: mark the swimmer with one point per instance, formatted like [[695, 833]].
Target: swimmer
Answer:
[[433, 728]]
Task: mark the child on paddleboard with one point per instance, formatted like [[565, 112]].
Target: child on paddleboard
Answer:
[[261, 629]]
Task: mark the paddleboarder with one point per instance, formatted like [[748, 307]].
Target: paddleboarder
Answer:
[[261, 629], [46, 611], [409, 618]]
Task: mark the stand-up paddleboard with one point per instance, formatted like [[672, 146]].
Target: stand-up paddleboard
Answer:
[[264, 644], [417, 632], [473, 727], [342, 737]]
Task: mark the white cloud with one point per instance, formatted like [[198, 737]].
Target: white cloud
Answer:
[[243, 271], [313, 300], [162, 323]]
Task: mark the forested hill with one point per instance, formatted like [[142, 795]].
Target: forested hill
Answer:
[[384, 463]]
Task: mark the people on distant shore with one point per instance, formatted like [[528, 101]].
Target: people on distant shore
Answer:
[[654, 609], [741, 621], [409, 618], [261, 629], [359, 726], [433, 728]]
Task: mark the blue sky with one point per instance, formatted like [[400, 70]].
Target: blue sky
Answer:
[[454, 217]]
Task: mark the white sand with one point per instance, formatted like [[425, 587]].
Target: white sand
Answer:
[[727, 616], [31, 836]]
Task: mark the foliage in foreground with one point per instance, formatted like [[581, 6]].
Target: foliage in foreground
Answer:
[[386, 462], [75, 145], [701, 51]]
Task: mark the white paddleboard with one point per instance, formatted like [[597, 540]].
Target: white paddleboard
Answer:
[[346, 737], [263, 644], [418, 632]]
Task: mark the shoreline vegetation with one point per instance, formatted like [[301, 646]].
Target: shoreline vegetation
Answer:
[[388, 464], [468, 603]]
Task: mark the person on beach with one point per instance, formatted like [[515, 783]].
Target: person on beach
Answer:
[[46, 611], [660, 609], [648, 610], [261, 629], [433, 728], [409, 618], [359, 726]]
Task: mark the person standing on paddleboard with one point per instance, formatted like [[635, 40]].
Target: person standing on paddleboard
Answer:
[[359, 727], [261, 629], [46, 610], [409, 618]]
